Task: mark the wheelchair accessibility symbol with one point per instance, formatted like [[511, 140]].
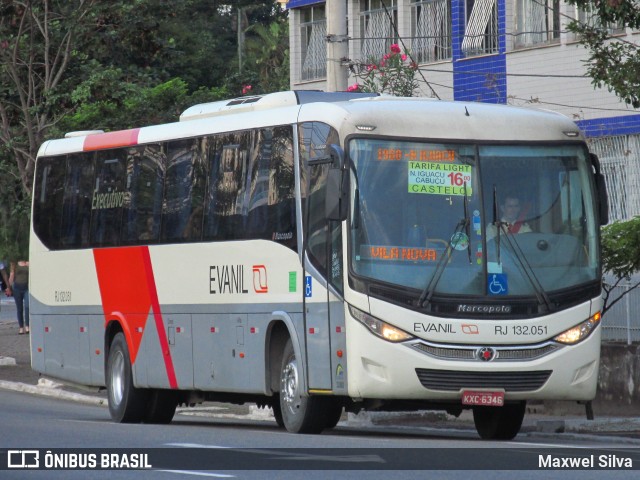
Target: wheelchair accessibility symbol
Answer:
[[498, 284]]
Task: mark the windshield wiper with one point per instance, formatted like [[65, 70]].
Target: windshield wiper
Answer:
[[463, 225], [526, 269], [522, 263], [467, 221], [497, 223]]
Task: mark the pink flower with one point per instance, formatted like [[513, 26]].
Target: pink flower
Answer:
[[386, 56], [353, 88], [371, 67], [395, 48], [403, 57], [246, 89]]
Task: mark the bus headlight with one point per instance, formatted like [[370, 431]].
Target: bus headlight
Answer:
[[579, 332], [378, 327]]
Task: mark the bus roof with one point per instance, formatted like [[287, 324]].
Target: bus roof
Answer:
[[347, 112], [269, 101]]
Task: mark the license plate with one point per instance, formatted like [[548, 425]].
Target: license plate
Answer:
[[487, 399]]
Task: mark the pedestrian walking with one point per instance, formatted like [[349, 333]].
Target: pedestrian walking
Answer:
[[4, 279], [19, 284]]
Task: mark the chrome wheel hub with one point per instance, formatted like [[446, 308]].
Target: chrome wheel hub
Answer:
[[116, 378], [289, 384]]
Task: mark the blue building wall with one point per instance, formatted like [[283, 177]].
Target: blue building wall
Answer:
[[610, 126], [480, 78]]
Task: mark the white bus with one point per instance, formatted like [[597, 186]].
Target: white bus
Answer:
[[319, 252]]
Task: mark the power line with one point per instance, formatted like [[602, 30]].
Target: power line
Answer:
[[532, 101], [503, 74]]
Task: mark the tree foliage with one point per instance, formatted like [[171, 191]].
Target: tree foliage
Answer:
[[393, 74], [86, 64], [37, 48], [613, 62], [620, 255]]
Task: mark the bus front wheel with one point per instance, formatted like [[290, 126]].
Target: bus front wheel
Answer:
[[126, 402], [499, 423], [300, 413]]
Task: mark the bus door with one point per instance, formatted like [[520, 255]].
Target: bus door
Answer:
[[324, 307]]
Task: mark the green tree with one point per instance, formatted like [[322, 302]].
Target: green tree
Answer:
[[620, 256], [129, 105], [84, 64], [613, 61], [37, 49], [267, 53]]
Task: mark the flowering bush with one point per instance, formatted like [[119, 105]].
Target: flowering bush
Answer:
[[246, 89], [394, 73]]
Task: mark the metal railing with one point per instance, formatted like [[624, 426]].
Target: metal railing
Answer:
[[621, 323]]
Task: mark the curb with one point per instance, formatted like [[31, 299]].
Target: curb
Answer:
[[49, 389], [7, 361]]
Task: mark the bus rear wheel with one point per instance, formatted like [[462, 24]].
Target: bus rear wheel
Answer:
[[499, 423], [161, 406], [127, 404], [300, 413]]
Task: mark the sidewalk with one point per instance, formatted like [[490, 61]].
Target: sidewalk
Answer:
[[16, 374]]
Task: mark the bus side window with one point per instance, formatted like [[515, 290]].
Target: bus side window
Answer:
[[270, 213], [108, 198], [184, 187], [323, 237], [145, 177], [256, 222], [225, 199], [282, 212], [76, 208], [49, 184]]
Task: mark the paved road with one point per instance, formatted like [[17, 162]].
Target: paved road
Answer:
[[16, 374], [210, 446]]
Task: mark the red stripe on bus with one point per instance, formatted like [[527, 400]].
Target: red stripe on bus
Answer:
[[121, 138], [128, 292], [157, 315]]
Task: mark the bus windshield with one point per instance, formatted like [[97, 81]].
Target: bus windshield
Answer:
[[473, 220]]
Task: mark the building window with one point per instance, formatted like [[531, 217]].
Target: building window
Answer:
[[431, 30], [537, 21], [481, 28], [313, 30], [591, 18], [377, 29], [620, 160]]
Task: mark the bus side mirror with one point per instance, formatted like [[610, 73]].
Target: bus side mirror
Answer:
[[601, 191], [337, 186]]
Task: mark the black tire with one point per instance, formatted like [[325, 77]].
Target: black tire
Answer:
[[161, 406], [333, 414], [499, 423], [277, 412], [300, 413], [127, 404]]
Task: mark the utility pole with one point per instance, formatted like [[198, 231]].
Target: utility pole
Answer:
[[337, 45], [240, 39]]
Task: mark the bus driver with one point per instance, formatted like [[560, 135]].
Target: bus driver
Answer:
[[512, 218]]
